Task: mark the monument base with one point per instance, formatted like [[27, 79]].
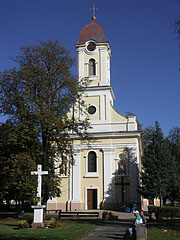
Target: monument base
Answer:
[[37, 225], [38, 216]]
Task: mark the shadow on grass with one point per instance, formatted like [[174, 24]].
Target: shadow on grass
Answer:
[[173, 224], [18, 238], [30, 234]]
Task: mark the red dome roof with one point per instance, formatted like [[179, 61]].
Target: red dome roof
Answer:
[[92, 31]]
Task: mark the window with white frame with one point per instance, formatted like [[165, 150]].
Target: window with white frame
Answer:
[[92, 67], [92, 162]]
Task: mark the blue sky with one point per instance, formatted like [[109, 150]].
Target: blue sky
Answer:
[[145, 59]]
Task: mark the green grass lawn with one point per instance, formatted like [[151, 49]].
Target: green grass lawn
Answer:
[[68, 230], [72, 230], [164, 230]]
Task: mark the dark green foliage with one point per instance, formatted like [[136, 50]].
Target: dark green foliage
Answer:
[[37, 95], [16, 165], [174, 140], [173, 186], [155, 164], [161, 172], [165, 212]]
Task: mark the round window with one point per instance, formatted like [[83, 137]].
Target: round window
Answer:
[[91, 110], [91, 46]]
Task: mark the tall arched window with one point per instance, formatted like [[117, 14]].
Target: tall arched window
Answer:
[[92, 162], [92, 67]]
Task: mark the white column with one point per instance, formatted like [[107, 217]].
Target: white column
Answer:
[[76, 178], [80, 64], [70, 184], [133, 175], [107, 108], [102, 107], [103, 68], [108, 69], [109, 177]]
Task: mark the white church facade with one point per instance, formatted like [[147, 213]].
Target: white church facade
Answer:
[[106, 170]]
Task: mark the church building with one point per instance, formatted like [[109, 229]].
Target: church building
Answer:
[[106, 170]]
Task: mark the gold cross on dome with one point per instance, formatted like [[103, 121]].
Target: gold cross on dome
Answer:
[[93, 9]]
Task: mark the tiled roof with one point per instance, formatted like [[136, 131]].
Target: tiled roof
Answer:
[[92, 31]]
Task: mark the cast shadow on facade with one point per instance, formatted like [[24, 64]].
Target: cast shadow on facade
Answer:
[[122, 191]]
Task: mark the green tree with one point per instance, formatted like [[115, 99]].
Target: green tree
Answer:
[[38, 95], [15, 166], [174, 140], [155, 164], [173, 187]]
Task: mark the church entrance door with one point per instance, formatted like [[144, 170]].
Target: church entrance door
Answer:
[[92, 198]]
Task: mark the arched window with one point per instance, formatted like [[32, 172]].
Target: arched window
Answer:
[[92, 67], [92, 162]]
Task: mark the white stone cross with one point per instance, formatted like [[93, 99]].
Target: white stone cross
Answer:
[[39, 172]]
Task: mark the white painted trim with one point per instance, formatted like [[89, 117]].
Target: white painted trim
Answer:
[[92, 106], [92, 77], [90, 52], [92, 174], [76, 178], [51, 200], [108, 173], [80, 64], [102, 64], [101, 107], [70, 185]]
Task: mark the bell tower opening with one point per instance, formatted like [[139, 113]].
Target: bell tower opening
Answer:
[[92, 67]]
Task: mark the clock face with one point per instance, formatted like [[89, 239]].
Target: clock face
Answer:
[[91, 46]]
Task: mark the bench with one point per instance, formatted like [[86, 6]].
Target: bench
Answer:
[[78, 215], [52, 210]]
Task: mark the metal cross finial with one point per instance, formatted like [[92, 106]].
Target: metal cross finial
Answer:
[[93, 9]]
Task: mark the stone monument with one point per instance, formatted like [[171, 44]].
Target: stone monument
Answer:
[[38, 209]]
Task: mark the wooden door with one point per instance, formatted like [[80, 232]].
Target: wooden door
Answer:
[[92, 198]]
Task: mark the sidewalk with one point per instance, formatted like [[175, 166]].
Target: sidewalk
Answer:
[[112, 229]]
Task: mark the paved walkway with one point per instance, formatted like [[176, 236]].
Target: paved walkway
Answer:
[[112, 229]]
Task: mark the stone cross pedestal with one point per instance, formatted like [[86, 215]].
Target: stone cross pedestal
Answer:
[[141, 232], [38, 209]]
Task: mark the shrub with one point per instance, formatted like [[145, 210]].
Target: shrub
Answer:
[[52, 223], [55, 225], [165, 212], [23, 224]]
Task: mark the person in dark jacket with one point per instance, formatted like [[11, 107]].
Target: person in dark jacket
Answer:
[[141, 213]]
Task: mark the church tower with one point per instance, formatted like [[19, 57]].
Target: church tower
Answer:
[[94, 53], [106, 170]]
